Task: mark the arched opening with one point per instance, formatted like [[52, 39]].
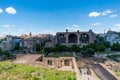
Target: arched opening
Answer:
[[66, 63], [84, 38], [61, 38], [72, 38], [49, 62]]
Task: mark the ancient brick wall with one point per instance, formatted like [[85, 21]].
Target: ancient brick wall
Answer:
[[58, 62]]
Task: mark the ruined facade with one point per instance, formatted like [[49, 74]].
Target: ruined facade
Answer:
[[79, 38]]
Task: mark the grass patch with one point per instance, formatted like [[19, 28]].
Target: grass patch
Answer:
[[117, 73], [12, 71]]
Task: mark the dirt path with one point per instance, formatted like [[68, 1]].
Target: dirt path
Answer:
[[27, 58]]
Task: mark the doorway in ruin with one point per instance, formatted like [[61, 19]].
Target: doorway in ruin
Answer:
[[49, 62], [66, 62]]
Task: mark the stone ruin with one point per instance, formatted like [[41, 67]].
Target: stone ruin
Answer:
[[115, 66], [63, 63], [59, 62], [84, 70]]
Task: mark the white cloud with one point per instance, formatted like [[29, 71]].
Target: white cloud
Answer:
[[20, 30], [94, 14], [74, 28], [1, 10], [112, 16], [116, 27], [106, 12], [48, 32], [96, 24], [11, 30], [10, 10], [8, 27]]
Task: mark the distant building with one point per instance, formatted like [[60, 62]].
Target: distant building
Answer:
[[78, 38], [10, 42], [51, 43], [25, 36], [1, 38], [7, 45], [113, 37], [102, 35], [28, 45], [30, 34]]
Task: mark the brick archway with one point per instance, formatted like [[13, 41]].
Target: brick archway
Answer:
[[84, 38], [61, 38], [72, 38]]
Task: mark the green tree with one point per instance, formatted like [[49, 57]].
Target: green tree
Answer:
[[115, 47], [7, 54], [2, 40], [17, 47], [107, 44], [100, 48], [96, 47], [75, 48], [102, 41], [48, 50], [57, 48], [38, 47], [89, 52], [91, 45]]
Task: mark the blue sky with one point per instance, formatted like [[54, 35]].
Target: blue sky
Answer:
[[51, 16]]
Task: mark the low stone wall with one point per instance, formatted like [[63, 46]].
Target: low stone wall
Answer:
[[76, 69], [18, 56]]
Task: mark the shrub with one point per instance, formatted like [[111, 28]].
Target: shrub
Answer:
[[75, 48], [115, 47], [89, 52]]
